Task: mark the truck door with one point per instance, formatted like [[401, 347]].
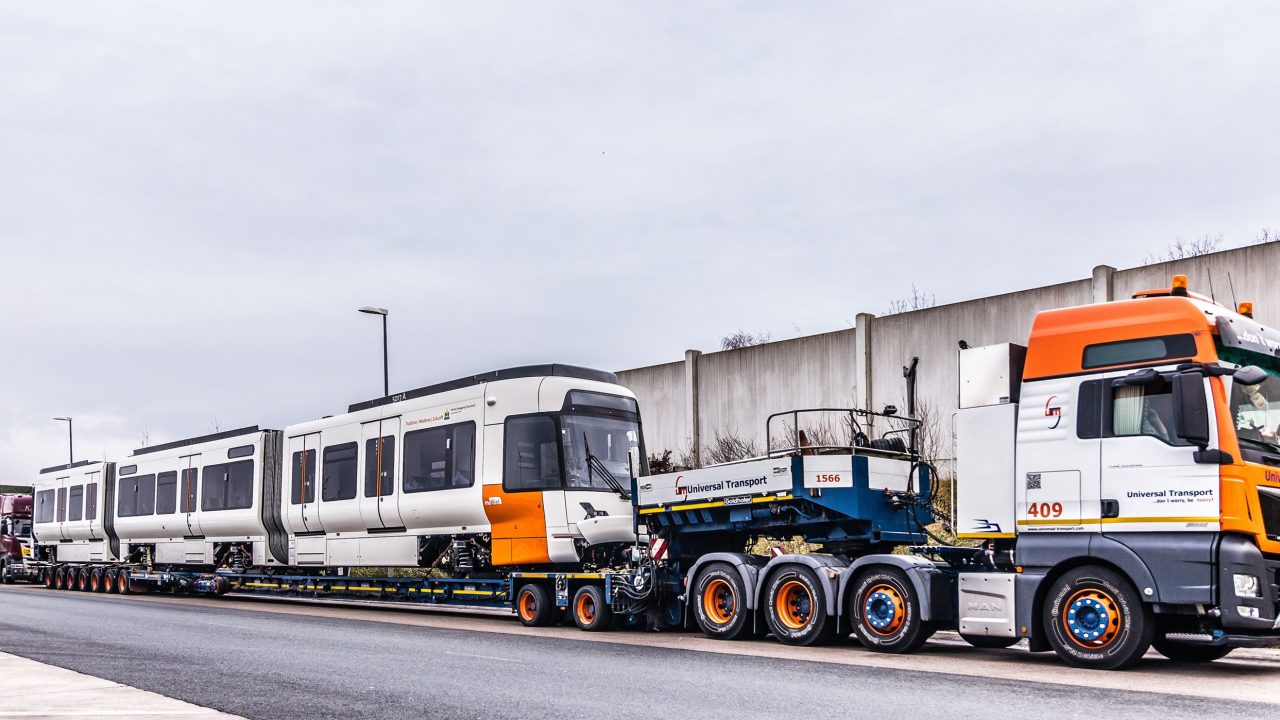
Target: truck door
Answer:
[[304, 471], [379, 504], [1150, 480], [189, 493]]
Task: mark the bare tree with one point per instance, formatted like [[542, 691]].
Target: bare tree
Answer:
[[664, 463], [217, 426], [1267, 235], [917, 300], [144, 438], [728, 447], [742, 339], [1179, 249]]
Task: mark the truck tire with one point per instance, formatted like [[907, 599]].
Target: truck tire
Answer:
[[796, 607], [123, 586], [590, 611], [988, 642], [719, 603], [1094, 618], [95, 580], [59, 578], [48, 576], [1188, 653], [534, 606], [884, 611], [82, 580], [109, 580]]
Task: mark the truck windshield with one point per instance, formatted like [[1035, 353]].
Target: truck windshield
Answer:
[[609, 439], [22, 528], [1257, 413]]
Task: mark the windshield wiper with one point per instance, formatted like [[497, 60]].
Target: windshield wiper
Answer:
[[594, 463], [1269, 447]]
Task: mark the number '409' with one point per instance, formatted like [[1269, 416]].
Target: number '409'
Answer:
[[1045, 510]]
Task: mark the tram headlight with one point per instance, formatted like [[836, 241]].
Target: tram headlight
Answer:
[[1247, 585]]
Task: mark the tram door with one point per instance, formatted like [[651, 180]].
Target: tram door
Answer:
[[379, 504], [300, 497], [189, 493]]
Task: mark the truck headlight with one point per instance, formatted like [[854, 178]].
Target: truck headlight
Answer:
[[1248, 612], [1247, 586]]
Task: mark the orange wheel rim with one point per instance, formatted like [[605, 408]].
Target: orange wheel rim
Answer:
[[884, 609], [794, 604], [719, 601], [586, 608], [94, 582], [1092, 618], [528, 605]]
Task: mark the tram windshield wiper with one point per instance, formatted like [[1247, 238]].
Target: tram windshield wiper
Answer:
[[594, 464]]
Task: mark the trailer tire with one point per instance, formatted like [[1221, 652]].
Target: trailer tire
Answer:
[[59, 577], [1187, 653], [988, 642], [719, 603], [123, 585], [82, 582], [47, 576], [1094, 618], [534, 606], [884, 611], [109, 581], [796, 607], [95, 580], [590, 611]]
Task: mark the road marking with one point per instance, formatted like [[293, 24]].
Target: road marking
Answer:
[[482, 657]]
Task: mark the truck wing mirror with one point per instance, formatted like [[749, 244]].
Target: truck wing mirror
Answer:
[[1146, 376], [1191, 409], [1250, 375]]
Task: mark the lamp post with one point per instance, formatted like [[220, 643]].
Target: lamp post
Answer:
[[71, 448], [386, 377]]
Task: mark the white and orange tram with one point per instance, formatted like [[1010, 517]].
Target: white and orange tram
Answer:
[[527, 468]]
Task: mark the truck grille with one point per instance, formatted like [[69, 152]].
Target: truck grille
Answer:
[[1269, 500]]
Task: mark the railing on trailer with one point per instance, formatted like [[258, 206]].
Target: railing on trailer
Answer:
[[855, 434]]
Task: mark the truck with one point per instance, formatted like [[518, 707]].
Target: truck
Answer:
[[1117, 487], [15, 538]]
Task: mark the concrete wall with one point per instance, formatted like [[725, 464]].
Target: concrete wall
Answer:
[[734, 391]]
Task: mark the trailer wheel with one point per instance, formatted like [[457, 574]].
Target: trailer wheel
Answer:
[[719, 603], [123, 586], [82, 580], [95, 580], [1188, 653], [1094, 618], [590, 611], [885, 612], [796, 607], [988, 642], [47, 576], [59, 577], [534, 606], [109, 581]]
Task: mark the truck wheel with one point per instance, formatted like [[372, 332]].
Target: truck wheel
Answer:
[[720, 603], [1094, 618], [123, 586], [82, 580], [95, 580], [4, 572], [796, 607], [534, 606], [109, 581], [590, 611], [990, 643], [1189, 653], [47, 576], [885, 612], [59, 578]]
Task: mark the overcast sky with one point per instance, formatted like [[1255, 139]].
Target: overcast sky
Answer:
[[196, 197]]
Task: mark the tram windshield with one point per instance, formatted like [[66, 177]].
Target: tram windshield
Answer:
[[606, 440]]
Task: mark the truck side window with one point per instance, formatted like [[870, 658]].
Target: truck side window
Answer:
[[1144, 410], [531, 456]]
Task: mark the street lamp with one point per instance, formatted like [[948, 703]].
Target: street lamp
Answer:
[[386, 377], [71, 448]]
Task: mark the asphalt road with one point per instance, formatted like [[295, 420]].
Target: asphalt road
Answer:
[[270, 659]]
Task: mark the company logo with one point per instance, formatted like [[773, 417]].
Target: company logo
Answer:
[[1053, 411], [1273, 476], [680, 489], [990, 606], [446, 414], [984, 525], [740, 500]]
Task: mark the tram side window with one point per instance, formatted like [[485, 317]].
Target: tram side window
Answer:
[[339, 472], [227, 486], [440, 458], [189, 487], [62, 504], [379, 466], [166, 493], [531, 458], [75, 497], [137, 496], [44, 506], [91, 501], [304, 477]]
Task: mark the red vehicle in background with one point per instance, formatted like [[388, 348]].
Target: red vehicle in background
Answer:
[[15, 538]]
